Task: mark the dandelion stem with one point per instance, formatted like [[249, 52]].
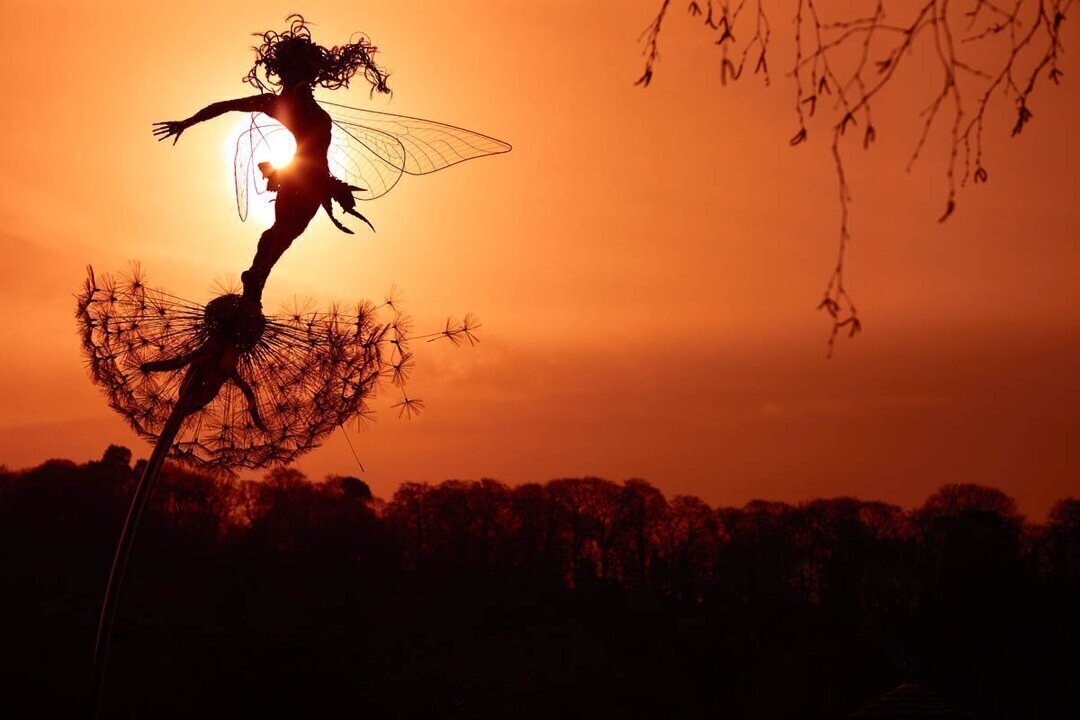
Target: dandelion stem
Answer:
[[139, 501]]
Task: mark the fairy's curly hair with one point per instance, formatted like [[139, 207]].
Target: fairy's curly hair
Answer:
[[291, 56]]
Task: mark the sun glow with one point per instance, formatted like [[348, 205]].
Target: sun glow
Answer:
[[269, 142]]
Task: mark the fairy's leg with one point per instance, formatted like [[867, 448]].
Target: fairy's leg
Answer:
[[253, 403], [168, 364], [292, 213]]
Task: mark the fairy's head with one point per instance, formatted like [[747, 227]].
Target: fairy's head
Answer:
[[290, 58]]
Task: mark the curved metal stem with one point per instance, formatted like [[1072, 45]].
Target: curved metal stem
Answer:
[[139, 501]]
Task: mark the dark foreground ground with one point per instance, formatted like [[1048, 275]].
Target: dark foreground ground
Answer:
[[576, 598]]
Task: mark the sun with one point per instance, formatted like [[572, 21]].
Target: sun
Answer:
[[272, 143]]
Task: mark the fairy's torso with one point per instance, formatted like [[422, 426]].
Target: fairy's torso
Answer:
[[310, 126]]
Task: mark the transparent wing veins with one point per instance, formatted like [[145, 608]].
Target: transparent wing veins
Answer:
[[401, 144], [251, 141]]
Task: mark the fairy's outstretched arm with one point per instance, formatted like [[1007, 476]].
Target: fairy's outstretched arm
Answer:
[[256, 103]]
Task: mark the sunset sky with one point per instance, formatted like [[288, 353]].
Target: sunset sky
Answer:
[[646, 263]]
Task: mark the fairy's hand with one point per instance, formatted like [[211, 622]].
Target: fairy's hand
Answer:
[[171, 128]]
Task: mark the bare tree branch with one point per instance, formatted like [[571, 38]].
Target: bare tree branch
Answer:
[[845, 58]]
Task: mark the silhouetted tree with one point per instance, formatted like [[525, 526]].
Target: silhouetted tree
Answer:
[[1061, 544], [689, 547], [971, 537], [587, 516], [644, 511]]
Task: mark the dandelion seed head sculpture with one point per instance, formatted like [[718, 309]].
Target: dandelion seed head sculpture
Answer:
[[263, 390]]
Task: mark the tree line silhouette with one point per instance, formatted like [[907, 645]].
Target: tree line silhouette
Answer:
[[578, 597]]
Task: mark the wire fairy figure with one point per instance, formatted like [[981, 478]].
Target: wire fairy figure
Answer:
[[342, 153]]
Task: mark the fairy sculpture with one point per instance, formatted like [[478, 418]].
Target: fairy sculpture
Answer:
[[369, 149], [223, 385]]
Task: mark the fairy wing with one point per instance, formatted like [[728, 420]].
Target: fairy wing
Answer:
[[372, 149], [365, 158], [253, 140]]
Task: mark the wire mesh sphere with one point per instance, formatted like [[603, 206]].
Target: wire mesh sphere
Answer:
[[261, 390]]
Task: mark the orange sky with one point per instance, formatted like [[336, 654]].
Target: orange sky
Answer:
[[645, 263]]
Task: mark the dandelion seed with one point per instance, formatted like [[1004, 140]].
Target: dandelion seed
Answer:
[[402, 368], [409, 407], [394, 299]]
